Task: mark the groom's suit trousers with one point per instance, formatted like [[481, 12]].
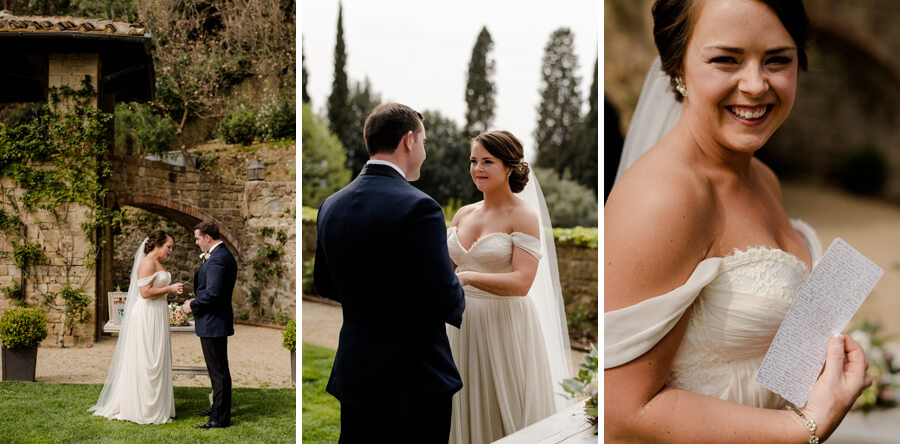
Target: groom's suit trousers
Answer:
[[215, 352]]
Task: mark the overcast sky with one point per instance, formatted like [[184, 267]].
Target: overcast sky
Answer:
[[417, 52]]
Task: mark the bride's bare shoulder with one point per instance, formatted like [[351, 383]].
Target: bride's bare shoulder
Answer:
[[463, 212], [658, 225]]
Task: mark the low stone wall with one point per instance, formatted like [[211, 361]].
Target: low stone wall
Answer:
[[578, 267]]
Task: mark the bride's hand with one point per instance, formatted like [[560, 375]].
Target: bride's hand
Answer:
[[176, 288], [463, 277], [843, 379]]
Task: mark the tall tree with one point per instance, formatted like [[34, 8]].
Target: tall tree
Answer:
[[445, 173], [559, 113], [338, 115], [362, 101], [480, 88], [586, 146], [304, 75], [323, 160]]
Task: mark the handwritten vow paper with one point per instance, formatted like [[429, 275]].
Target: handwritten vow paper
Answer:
[[831, 295]]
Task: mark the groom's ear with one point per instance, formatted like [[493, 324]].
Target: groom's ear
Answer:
[[408, 140]]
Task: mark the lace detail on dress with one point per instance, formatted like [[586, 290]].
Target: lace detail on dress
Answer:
[[491, 253]]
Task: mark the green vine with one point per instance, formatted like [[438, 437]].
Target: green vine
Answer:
[[76, 302], [266, 263], [14, 293], [60, 163]]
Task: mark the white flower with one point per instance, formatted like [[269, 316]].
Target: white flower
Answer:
[[204, 256], [863, 339]]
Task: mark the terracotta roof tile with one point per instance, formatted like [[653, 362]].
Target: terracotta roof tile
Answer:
[[34, 23]]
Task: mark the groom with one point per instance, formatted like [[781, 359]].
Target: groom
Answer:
[[382, 253], [213, 318]]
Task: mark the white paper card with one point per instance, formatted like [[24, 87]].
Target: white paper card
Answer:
[[835, 289]]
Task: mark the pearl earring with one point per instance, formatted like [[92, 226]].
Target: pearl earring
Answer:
[[679, 85]]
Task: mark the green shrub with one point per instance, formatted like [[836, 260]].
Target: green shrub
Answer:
[[570, 204], [290, 336], [324, 159], [864, 170], [277, 119], [137, 125], [23, 327], [308, 282], [239, 127]]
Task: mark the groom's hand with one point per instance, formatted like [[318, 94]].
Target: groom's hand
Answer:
[[187, 305]]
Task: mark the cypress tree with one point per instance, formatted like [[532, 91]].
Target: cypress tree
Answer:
[[480, 88], [338, 116], [559, 114], [304, 75]]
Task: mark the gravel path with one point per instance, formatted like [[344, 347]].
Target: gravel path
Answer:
[[255, 356]]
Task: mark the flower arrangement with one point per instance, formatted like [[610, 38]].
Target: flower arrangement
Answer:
[[884, 366], [177, 316], [586, 384]]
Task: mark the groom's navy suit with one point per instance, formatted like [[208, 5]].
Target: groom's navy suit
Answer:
[[381, 252], [214, 322]]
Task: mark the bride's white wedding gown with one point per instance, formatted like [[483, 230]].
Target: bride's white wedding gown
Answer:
[[498, 350], [736, 305], [144, 391]]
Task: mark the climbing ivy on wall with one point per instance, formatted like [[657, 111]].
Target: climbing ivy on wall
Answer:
[[266, 263], [59, 163]]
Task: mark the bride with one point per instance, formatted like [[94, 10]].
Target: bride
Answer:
[[138, 387], [701, 263], [512, 349]]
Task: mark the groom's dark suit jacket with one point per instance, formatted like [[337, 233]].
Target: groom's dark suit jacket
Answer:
[[381, 252], [213, 316]]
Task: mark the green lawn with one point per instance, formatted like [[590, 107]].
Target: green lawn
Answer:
[[321, 412], [50, 413]]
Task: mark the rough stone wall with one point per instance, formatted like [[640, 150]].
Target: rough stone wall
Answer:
[[268, 208], [66, 249], [59, 234]]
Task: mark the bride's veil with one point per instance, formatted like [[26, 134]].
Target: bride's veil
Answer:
[[655, 114], [546, 294], [115, 367]]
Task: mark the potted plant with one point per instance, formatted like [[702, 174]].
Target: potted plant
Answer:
[[290, 343], [21, 330]]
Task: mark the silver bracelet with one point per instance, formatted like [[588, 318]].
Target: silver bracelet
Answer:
[[809, 424]]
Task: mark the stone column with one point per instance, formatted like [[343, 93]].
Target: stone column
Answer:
[[71, 69]]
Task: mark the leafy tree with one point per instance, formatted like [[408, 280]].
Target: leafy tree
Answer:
[[204, 47], [585, 156], [338, 115], [362, 101], [480, 88], [304, 74], [323, 160], [568, 202], [136, 125], [559, 113], [445, 173]]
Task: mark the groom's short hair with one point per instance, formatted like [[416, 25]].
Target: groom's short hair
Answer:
[[209, 228], [387, 124]]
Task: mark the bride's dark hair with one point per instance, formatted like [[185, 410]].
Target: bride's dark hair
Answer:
[[673, 24], [156, 238], [506, 147]]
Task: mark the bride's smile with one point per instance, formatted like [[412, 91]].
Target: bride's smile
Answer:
[[486, 170], [740, 71]]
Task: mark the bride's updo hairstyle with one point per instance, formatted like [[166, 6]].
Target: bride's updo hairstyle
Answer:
[[156, 238], [673, 24], [506, 147]]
